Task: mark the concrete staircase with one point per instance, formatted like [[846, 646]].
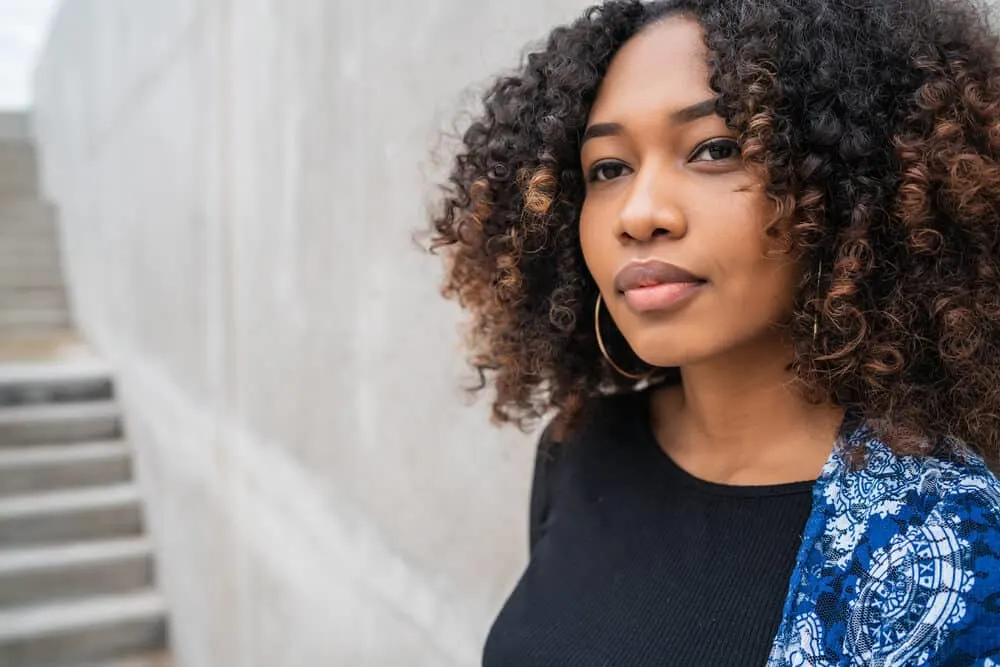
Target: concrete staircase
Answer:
[[76, 569], [32, 297]]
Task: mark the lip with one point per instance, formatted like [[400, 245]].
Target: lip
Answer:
[[654, 285]]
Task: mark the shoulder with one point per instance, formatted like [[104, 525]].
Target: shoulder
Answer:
[[604, 441], [569, 463], [601, 420], [912, 490], [915, 541]]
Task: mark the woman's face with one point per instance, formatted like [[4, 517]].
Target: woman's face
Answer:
[[672, 223]]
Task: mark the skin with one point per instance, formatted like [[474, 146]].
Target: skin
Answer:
[[665, 181]]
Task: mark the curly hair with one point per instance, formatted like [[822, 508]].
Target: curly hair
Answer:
[[875, 128]]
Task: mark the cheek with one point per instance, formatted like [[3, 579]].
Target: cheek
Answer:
[[789, 275], [594, 242], [761, 275], [767, 285]]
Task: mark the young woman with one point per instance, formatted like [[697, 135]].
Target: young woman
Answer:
[[747, 253]]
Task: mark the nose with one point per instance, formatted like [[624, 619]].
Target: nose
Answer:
[[652, 207]]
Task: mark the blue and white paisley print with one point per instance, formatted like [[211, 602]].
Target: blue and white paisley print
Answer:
[[899, 565]]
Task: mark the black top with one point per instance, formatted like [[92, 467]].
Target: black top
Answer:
[[634, 562]]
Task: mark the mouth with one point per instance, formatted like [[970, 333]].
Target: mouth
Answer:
[[654, 285]]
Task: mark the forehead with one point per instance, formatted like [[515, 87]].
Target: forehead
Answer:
[[660, 69]]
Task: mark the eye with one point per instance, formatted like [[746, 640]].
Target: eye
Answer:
[[716, 150], [608, 170]]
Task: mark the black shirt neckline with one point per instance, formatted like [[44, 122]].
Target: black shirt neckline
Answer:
[[630, 567], [648, 439]]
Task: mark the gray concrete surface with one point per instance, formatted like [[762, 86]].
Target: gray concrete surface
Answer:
[[237, 182], [15, 125]]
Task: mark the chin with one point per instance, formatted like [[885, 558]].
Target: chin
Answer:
[[678, 347], [668, 360], [669, 352]]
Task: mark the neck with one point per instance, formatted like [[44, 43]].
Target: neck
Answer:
[[742, 420]]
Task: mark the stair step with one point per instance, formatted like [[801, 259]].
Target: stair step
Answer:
[[25, 331], [24, 289], [31, 237], [30, 260], [68, 571], [31, 276], [30, 281], [51, 424], [70, 516], [28, 246], [15, 125], [35, 318], [24, 383], [35, 321], [33, 229], [153, 659], [79, 631], [38, 468], [33, 299], [31, 211], [26, 250], [18, 168], [20, 250]]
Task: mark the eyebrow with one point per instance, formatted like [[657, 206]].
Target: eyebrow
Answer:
[[686, 115]]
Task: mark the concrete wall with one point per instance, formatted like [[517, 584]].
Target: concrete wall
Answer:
[[15, 125], [238, 180]]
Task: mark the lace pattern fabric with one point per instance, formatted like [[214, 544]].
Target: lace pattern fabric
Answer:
[[899, 565]]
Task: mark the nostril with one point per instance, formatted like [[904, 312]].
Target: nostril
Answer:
[[659, 231]]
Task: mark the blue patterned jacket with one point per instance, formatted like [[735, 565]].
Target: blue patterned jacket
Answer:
[[899, 565]]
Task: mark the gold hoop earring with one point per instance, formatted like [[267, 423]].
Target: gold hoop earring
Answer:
[[604, 351]]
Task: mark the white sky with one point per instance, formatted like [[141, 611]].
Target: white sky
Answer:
[[23, 28]]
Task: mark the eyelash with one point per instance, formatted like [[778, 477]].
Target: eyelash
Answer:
[[593, 173]]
